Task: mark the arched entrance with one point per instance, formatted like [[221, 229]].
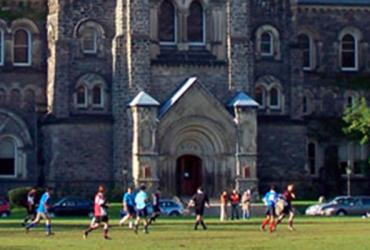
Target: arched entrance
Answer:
[[188, 174]]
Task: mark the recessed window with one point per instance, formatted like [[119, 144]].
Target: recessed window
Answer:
[[2, 47], [305, 108], [22, 48], [260, 95], [7, 157], [167, 23], [350, 101], [305, 45], [274, 98], [81, 96], [196, 24], [89, 40], [267, 44], [97, 96], [349, 52], [311, 157]]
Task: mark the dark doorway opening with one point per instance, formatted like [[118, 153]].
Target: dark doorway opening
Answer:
[[188, 174]]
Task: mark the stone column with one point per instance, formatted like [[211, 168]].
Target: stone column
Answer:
[[144, 111], [245, 110], [58, 60], [240, 58]]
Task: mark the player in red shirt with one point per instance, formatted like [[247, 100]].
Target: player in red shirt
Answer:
[[288, 195], [100, 214]]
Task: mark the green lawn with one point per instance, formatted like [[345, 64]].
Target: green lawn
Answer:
[[312, 233]]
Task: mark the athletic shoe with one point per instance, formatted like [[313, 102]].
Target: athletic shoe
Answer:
[[49, 234], [262, 229], [136, 228], [84, 236], [106, 237], [291, 228]]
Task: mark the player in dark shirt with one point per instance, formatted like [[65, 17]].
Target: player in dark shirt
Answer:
[[288, 195], [156, 208], [199, 201]]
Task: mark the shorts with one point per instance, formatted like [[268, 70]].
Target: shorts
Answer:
[[131, 210], [100, 219], [270, 210], [156, 209], [31, 211], [143, 213], [288, 209], [199, 211]]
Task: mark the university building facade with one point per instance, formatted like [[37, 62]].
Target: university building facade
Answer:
[[182, 93]]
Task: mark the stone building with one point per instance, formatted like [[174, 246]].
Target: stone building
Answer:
[[181, 93]]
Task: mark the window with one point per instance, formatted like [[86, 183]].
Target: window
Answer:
[[268, 42], [305, 45], [350, 101], [89, 41], [267, 48], [274, 98], [349, 52], [167, 23], [81, 97], [311, 157], [97, 96], [196, 24], [7, 157], [356, 155], [260, 95], [22, 48], [2, 47]]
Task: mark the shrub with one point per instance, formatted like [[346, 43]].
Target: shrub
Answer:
[[18, 196]]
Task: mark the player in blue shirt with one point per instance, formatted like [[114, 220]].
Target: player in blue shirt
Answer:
[[128, 203], [141, 201], [270, 200], [42, 212]]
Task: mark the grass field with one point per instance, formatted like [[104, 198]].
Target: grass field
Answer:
[[312, 233]]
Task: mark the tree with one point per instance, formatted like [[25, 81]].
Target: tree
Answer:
[[357, 119]]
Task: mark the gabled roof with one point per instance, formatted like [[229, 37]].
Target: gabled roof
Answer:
[[335, 2], [177, 95], [241, 99], [143, 99]]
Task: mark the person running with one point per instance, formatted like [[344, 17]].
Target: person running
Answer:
[[100, 214], [30, 206], [270, 200], [128, 206], [223, 206], [246, 204], [156, 208], [141, 201], [199, 201], [288, 196], [42, 212], [235, 201]]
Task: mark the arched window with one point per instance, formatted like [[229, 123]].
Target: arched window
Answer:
[[167, 23], [196, 24], [81, 97], [311, 157], [89, 40], [274, 98], [304, 105], [305, 45], [2, 47], [349, 52], [7, 157], [260, 95], [97, 96], [267, 44], [22, 48]]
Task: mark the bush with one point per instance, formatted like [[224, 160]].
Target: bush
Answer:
[[114, 194], [18, 196]]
